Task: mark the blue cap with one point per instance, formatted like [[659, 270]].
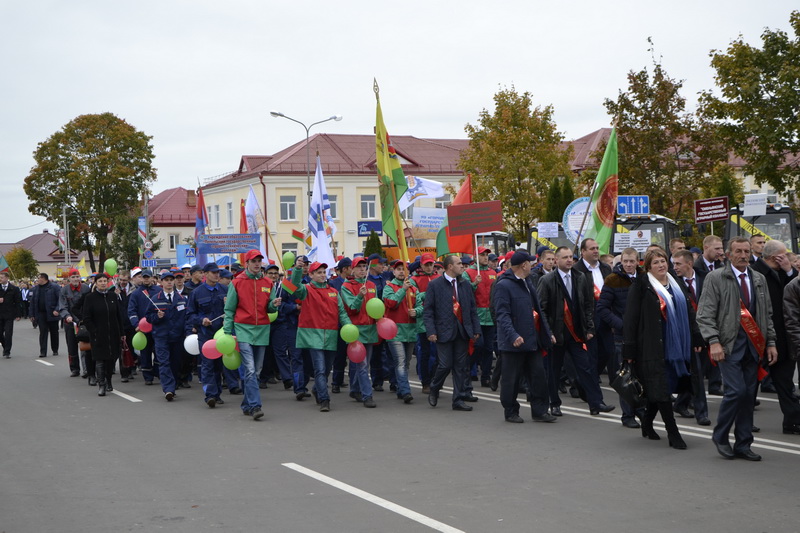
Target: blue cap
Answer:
[[379, 257], [224, 273], [167, 274], [210, 267], [492, 257], [147, 272], [466, 260], [195, 268], [519, 257], [304, 258], [695, 250], [344, 262], [540, 250]]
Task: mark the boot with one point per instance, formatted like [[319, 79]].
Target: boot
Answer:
[[101, 378], [647, 422], [674, 436]]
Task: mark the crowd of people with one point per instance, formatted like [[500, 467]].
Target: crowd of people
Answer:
[[541, 325]]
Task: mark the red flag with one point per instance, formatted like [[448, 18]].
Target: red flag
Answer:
[[445, 244]]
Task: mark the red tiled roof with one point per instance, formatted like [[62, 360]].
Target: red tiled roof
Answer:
[[171, 208], [42, 246]]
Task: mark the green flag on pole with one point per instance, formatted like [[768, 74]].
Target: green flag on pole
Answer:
[[603, 205]]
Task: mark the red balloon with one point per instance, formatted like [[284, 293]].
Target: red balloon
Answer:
[[210, 349], [387, 328], [356, 352], [145, 326]]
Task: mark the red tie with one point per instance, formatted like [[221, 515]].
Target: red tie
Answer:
[[745, 290], [711, 267], [691, 288]]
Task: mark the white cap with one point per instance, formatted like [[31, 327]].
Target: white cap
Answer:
[[135, 271], [187, 265]]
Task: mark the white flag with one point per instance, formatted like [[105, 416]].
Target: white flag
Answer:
[[320, 222], [255, 218], [420, 188]]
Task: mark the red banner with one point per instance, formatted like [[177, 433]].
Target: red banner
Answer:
[[479, 217]]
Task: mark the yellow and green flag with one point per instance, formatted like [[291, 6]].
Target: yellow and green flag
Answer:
[[604, 198], [393, 183]]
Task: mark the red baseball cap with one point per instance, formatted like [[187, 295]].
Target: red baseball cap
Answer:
[[74, 272], [252, 254], [316, 265], [358, 260], [426, 258], [483, 250]]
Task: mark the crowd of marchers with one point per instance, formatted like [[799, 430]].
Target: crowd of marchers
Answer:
[[689, 323]]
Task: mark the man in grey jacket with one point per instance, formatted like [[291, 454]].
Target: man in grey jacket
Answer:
[[735, 318]]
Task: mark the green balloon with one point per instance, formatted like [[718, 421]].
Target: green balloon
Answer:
[[375, 308], [288, 260], [110, 267], [139, 341], [226, 344], [220, 332], [349, 333], [272, 316], [232, 360]]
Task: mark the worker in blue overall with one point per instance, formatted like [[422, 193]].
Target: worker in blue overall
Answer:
[[138, 305], [168, 317]]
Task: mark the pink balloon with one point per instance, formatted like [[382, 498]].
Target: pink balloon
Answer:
[[387, 328], [210, 349], [145, 326], [356, 352]]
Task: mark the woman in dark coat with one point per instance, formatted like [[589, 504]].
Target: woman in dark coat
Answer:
[[103, 316], [660, 332]]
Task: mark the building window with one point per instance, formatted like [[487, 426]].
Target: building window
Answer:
[[443, 201], [229, 207], [367, 206], [214, 220], [174, 239], [408, 214], [288, 207], [289, 247], [334, 208]]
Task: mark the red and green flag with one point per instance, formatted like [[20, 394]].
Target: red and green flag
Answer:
[[600, 224], [298, 235], [446, 244]]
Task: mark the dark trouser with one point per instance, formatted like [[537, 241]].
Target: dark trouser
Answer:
[[601, 349], [146, 358], [665, 408], [72, 348], [529, 365], [376, 371], [740, 375], [698, 393], [452, 356], [47, 327], [585, 371], [103, 371], [483, 354], [782, 374], [714, 378], [6, 333], [426, 359], [284, 340], [613, 367], [168, 354], [339, 363]]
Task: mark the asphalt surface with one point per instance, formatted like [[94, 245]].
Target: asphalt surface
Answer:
[[73, 462]]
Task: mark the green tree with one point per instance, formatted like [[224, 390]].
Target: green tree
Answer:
[[660, 150], [21, 263], [567, 195], [726, 184], [554, 202], [124, 244], [758, 106], [513, 155], [97, 166], [373, 245]]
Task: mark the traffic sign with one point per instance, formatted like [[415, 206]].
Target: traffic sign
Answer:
[[189, 252], [148, 245], [148, 254], [633, 205], [149, 263]]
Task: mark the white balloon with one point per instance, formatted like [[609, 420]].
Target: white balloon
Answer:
[[191, 345]]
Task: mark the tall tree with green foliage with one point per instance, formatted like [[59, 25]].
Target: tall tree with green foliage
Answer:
[[757, 105], [726, 184], [97, 166], [554, 202], [513, 155], [21, 263], [373, 245], [567, 194], [124, 244]]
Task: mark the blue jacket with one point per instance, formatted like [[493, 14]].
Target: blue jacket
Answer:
[[614, 299], [171, 326], [138, 303], [288, 312], [51, 293], [514, 301], [380, 283], [205, 302]]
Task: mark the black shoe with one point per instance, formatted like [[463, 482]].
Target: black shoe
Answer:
[[124, 380], [724, 449], [287, 384], [55, 354], [461, 406], [169, 396], [325, 406], [470, 398], [602, 408], [148, 383], [369, 402], [631, 423], [299, 396], [408, 398], [101, 391], [109, 388], [219, 401], [792, 430], [237, 390], [748, 455], [433, 398], [574, 392], [484, 384], [92, 381], [357, 396], [514, 419], [562, 388], [211, 403], [392, 388], [556, 411], [73, 374], [377, 388], [42, 355], [757, 403], [649, 433], [84, 375], [676, 441], [684, 412], [426, 389], [307, 394], [256, 413], [715, 392], [703, 421], [335, 389], [756, 429], [493, 385], [546, 417]]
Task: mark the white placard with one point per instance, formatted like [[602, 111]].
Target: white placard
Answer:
[[640, 239], [755, 205], [548, 230], [621, 241]]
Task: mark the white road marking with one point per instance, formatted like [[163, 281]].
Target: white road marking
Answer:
[[692, 431], [386, 504], [44, 362], [126, 396]]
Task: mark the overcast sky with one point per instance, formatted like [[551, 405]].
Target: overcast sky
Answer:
[[201, 76]]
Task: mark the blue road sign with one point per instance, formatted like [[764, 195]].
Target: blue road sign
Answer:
[[189, 252], [633, 205], [366, 226], [148, 254], [149, 263]]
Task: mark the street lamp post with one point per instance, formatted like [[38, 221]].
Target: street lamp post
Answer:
[[337, 118]]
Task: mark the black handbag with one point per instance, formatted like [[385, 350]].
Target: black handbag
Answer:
[[82, 334], [628, 386]]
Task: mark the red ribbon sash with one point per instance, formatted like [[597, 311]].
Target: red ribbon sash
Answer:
[[570, 325], [596, 293], [663, 305], [756, 337]]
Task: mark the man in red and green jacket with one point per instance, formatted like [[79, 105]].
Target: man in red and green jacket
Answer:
[[400, 297], [481, 277], [426, 358], [318, 325], [355, 294]]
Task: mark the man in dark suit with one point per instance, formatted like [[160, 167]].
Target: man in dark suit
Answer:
[[46, 310], [10, 312], [684, 272], [712, 258], [778, 271], [451, 320], [567, 301]]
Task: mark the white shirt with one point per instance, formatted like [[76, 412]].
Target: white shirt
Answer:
[[709, 266], [450, 281], [597, 275]]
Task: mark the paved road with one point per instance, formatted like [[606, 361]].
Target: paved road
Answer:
[[73, 462]]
